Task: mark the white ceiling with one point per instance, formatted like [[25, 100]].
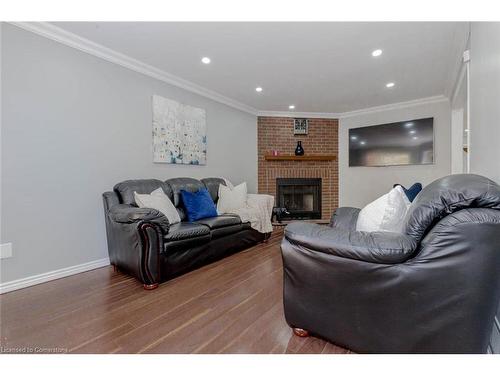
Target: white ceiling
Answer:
[[318, 67]]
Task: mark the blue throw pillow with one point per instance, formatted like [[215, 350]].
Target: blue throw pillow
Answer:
[[413, 191], [198, 205]]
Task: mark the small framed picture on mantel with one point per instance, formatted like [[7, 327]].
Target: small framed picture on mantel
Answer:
[[300, 126]]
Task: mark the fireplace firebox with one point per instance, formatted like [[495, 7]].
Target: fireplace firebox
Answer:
[[300, 196]]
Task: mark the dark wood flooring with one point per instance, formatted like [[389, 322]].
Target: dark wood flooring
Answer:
[[232, 306]]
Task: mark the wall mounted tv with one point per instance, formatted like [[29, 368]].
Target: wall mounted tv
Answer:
[[397, 143]]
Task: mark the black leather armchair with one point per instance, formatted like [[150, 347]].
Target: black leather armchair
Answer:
[[143, 243], [432, 289]]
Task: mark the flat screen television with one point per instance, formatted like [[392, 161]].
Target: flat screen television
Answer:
[[397, 143]]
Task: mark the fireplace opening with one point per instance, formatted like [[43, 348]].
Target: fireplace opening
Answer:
[[300, 196]]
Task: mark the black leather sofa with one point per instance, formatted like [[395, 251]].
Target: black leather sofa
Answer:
[[142, 242], [432, 289]]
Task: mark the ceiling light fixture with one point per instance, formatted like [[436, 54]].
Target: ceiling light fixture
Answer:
[[415, 138], [408, 124], [362, 143], [258, 89], [354, 137], [291, 107], [377, 53], [205, 60], [389, 85], [413, 131]]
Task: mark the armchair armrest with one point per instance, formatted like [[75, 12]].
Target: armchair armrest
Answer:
[[126, 214], [373, 247], [345, 218]]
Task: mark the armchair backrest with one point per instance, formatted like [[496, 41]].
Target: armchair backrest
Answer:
[[446, 196]]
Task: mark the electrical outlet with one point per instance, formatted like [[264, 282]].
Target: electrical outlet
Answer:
[[5, 250]]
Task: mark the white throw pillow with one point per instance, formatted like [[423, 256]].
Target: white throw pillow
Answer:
[[228, 183], [385, 214], [159, 201], [231, 199]]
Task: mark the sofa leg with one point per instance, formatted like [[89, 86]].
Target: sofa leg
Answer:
[[115, 268], [150, 286], [300, 332]]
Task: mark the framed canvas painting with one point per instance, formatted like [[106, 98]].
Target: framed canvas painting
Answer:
[[179, 133]]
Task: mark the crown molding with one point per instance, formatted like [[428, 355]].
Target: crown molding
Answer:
[[393, 106], [359, 112], [298, 114], [69, 39]]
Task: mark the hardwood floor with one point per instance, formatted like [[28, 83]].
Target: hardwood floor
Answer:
[[232, 306]]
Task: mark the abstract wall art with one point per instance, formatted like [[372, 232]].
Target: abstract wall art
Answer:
[[179, 133]]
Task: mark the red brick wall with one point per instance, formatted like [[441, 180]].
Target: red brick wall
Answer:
[[276, 133]]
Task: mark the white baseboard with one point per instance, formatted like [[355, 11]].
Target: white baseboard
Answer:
[[52, 275]]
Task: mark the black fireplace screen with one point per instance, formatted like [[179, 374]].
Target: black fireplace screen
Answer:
[[300, 196]]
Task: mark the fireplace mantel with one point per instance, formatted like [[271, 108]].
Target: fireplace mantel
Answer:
[[300, 158]]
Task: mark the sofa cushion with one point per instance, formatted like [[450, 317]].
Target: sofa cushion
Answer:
[[126, 189], [184, 230], [212, 185], [226, 231], [246, 225], [220, 221]]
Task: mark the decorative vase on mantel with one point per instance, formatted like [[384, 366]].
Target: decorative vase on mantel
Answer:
[[299, 150]]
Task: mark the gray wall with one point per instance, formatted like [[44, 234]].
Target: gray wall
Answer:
[[485, 99], [361, 185], [485, 112], [73, 125]]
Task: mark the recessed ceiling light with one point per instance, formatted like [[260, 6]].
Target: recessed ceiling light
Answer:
[[415, 138], [258, 89], [354, 137], [413, 131], [205, 60], [362, 143], [377, 53], [291, 107], [408, 124], [389, 85]]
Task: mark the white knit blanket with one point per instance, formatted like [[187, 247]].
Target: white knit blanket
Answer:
[[258, 211]]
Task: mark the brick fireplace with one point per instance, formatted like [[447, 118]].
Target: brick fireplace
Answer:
[[320, 144]]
